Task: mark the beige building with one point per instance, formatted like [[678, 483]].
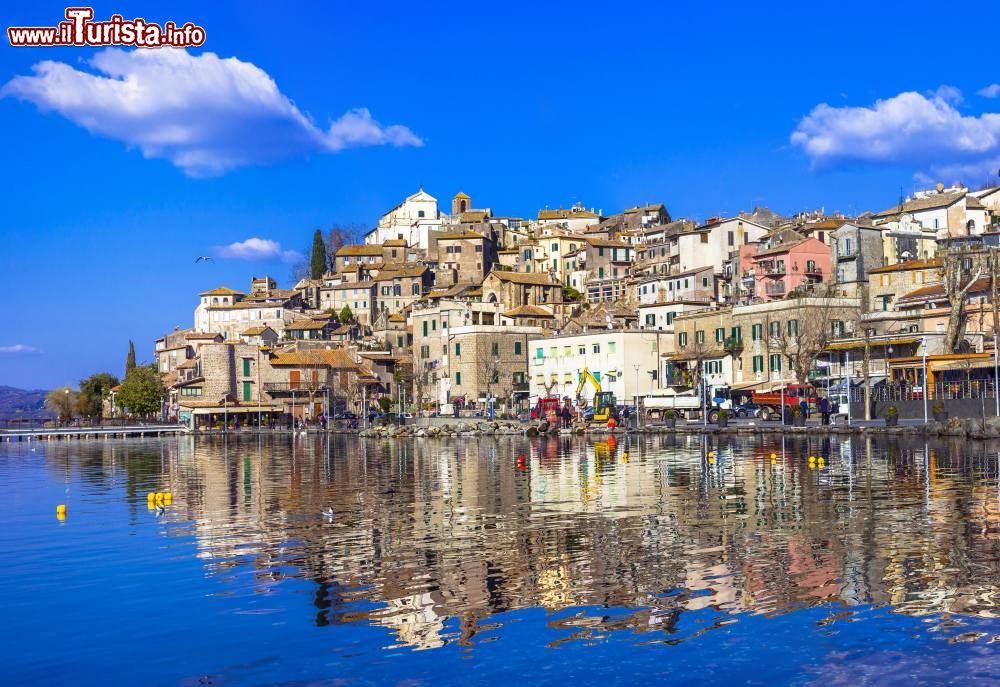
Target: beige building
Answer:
[[358, 296], [485, 360]]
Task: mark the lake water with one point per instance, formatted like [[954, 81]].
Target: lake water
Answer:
[[449, 562]]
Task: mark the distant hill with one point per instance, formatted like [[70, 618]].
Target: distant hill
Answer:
[[23, 404]]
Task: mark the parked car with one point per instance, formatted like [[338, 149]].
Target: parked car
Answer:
[[748, 409]]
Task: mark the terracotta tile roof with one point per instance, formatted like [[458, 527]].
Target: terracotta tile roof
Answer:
[[359, 249], [335, 358], [528, 311], [933, 263], [462, 196], [201, 335], [350, 285], [397, 317], [255, 331], [934, 200], [407, 272], [392, 243], [565, 214], [537, 278], [780, 248], [307, 325], [461, 235], [936, 292], [606, 243], [222, 291]]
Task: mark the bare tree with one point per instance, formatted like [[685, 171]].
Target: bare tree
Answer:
[[958, 278]]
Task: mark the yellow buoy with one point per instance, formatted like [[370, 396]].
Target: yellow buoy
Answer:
[[168, 498], [150, 496], [711, 454], [821, 463], [61, 509], [625, 455], [774, 456], [812, 459], [711, 461]]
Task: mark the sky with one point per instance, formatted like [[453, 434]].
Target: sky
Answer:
[[122, 166]]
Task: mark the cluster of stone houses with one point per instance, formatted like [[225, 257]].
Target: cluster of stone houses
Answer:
[[467, 308]]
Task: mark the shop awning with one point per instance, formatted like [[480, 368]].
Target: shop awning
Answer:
[[859, 345], [962, 365], [750, 386]]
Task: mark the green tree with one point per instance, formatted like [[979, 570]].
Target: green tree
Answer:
[[61, 401], [130, 360], [384, 404], [142, 392], [318, 261], [346, 315], [93, 390]]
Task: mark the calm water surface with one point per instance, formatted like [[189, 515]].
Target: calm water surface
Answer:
[[447, 562]]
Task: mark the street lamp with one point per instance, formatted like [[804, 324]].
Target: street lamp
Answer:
[[635, 394], [926, 389]]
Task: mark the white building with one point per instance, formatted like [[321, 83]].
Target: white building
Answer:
[[625, 361], [409, 221], [696, 284], [712, 243]]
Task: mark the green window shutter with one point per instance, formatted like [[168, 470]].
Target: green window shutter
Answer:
[[247, 391], [425, 327], [458, 378], [458, 350], [517, 348], [246, 367]]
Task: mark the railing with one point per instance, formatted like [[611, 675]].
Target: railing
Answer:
[[303, 385], [774, 289]]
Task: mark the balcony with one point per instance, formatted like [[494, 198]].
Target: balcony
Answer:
[[775, 288], [289, 387]]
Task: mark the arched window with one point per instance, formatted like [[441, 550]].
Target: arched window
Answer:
[[463, 205], [970, 226]]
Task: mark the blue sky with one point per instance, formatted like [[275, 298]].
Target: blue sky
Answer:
[[707, 107]]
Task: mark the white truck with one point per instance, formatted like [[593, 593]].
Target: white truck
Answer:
[[683, 400]]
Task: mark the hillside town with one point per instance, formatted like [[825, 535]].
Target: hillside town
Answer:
[[459, 309]]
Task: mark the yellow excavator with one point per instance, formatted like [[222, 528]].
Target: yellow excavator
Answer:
[[605, 403]]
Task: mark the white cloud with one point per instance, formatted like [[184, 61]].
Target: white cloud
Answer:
[[991, 91], [205, 114], [19, 348], [258, 249], [924, 131]]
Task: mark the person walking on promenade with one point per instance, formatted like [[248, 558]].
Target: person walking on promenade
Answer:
[[824, 409], [804, 405]]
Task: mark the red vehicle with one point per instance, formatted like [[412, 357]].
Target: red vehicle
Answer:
[[770, 401], [546, 409]]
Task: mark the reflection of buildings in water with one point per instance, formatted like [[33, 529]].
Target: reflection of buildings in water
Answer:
[[435, 530]]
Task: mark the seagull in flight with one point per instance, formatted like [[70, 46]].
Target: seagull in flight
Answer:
[[204, 258]]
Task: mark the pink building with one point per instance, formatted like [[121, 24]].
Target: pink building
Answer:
[[772, 273]]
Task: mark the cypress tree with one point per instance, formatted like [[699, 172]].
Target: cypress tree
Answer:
[[130, 360], [318, 262]]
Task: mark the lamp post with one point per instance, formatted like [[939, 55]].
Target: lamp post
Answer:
[[847, 379], [923, 350], [635, 394], [996, 374]]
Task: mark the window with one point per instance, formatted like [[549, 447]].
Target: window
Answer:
[[415, 290], [775, 362], [670, 318], [191, 391], [495, 348], [884, 301], [247, 362], [611, 347], [704, 282], [736, 333], [775, 330], [458, 378], [458, 350], [425, 327], [597, 348], [732, 241], [720, 334], [420, 213], [793, 327], [755, 331], [458, 249], [583, 350], [650, 320], [479, 248], [600, 252], [811, 266], [837, 327], [555, 247], [758, 363], [517, 348], [699, 336], [247, 391], [425, 351], [434, 325], [600, 273], [847, 246], [704, 238], [682, 339], [540, 353]]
